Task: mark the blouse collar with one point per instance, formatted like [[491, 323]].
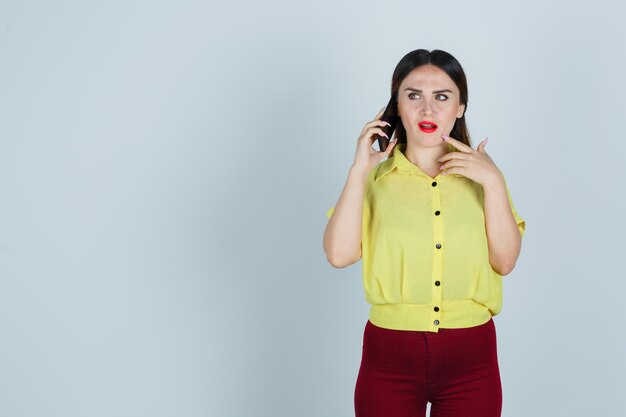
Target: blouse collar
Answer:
[[400, 162]]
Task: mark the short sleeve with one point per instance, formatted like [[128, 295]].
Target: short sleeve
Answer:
[[521, 223], [370, 178]]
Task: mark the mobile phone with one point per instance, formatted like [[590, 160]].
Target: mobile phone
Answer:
[[390, 115]]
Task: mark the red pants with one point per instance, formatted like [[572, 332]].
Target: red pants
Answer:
[[456, 370]]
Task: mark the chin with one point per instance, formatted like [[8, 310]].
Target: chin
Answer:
[[428, 139]]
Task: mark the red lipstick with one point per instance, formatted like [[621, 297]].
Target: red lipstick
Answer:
[[427, 127]]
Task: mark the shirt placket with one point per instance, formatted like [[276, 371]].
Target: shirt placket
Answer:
[[436, 275]]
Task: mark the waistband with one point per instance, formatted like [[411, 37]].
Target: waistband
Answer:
[[423, 317]]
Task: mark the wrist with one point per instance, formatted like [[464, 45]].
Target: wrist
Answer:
[[495, 181], [358, 171]]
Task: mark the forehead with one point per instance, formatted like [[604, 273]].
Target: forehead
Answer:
[[428, 77]]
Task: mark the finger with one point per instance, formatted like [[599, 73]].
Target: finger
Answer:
[[372, 130], [372, 123], [452, 155], [378, 116], [378, 122], [453, 170], [457, 144], [389, 149], [452, 164], [481, 146]]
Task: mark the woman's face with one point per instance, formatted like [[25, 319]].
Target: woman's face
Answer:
[[428, 94]]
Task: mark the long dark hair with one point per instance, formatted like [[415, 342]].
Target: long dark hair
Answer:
[[447, 63]]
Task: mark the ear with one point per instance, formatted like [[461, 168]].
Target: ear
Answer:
[[459, 114]]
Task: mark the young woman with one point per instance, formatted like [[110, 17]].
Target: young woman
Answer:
[[433, 221]]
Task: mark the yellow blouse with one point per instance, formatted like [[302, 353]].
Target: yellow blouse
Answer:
[[424, 251]]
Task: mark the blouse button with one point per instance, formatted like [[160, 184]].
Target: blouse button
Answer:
[[437, 283], [436, 322], [436, 308], [434, 184], [437, 213], [438, 245]]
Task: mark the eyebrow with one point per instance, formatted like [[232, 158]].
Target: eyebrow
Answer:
[[434, 92]]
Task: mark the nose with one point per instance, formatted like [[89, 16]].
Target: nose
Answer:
[[428, 108]]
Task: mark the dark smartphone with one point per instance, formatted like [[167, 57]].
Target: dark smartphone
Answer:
[[390, 115]]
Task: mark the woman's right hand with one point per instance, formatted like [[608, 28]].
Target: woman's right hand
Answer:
[[366, 156]]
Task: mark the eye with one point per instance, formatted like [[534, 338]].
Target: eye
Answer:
[[445, 97]]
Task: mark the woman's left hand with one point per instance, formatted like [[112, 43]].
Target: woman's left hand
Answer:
[[474, 164]]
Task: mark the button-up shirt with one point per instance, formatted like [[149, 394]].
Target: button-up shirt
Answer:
[[424, 249]]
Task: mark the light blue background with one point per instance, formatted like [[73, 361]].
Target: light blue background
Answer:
[[166, 167]]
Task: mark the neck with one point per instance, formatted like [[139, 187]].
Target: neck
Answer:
[[426, 157]]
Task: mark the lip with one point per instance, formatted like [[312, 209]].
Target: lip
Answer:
[[427, 130]]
